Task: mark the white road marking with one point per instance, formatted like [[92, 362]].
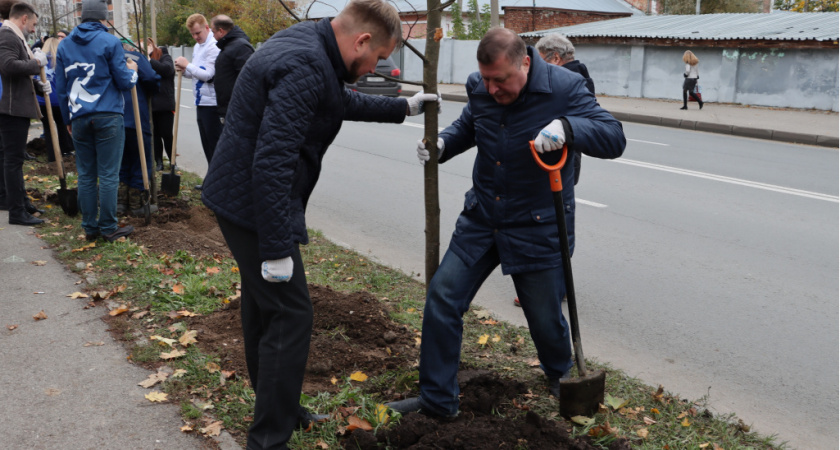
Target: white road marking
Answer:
[[730, 180], [649, 142]]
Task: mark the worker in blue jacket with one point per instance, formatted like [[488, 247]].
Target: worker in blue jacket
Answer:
[[90, 75], [509, 216], [131, 174]]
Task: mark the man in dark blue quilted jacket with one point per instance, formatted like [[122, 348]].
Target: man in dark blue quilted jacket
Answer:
[[286, 108], [509, 217]]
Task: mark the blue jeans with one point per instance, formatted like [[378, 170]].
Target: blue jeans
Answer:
[[450, 293], [99, 140]]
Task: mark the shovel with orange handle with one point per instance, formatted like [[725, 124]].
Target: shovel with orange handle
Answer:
[[579, 396]]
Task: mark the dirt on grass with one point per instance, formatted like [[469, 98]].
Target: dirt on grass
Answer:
[[353, 332]]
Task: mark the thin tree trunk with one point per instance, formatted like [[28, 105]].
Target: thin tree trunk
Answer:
[[430, 173]]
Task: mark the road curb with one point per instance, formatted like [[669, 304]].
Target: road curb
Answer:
[[709, 127]]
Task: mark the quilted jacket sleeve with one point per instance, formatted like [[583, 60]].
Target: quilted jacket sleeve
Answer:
[[361, 107], [596, 132], [292, 94]]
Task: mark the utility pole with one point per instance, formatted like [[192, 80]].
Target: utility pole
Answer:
[[154, 22], [697, 8], [54, 23], [494, 13]]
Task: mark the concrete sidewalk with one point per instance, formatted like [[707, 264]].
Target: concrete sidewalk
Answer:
[[65, 383], [788, 125]]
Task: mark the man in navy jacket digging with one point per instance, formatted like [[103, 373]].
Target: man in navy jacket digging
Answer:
[[508, 215], [287, 107]]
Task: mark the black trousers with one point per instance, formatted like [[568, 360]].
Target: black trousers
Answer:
[[13, 133], [210, 125], [65, 142], [277, 327], [162, 123], [688, 89]]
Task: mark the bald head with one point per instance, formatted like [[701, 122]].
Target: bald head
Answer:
[[221, 25], [501, 42]]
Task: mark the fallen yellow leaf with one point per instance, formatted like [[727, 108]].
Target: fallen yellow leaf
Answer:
[[482, 340], [704, 445], [173, 354], [496, 338], [77, 294], [655, 411], [178, 289], [167, 341], [214, 429], [642, 433], [185, 313], [648, 420], [583, 420], [333, 380], [153, 379], [156, 396], [188, 338], [685, 422], [40, 316], [122, 309], [186, 429], [234, 269], [212, 367], [39, 263], [179, 373], [358, 376], [382, 413]]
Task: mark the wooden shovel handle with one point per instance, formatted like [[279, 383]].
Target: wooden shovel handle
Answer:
[[139, 128], [59, 162], [177, 114]]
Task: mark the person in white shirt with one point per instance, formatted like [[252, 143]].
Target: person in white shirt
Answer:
[[202, 70]]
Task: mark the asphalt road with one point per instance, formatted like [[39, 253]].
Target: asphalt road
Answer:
[[705, 263]]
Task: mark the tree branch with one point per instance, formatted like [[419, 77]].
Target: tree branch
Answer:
[[415, 51]]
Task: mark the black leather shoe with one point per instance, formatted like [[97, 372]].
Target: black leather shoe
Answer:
[[684, 107], [118, 233], [554, 385], [25, 219], [92, 237], [32, 209], [198, 187], [27, 156], [306, 418]]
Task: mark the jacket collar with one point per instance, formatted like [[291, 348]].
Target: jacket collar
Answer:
[[324, 28], [538, 79], [234, 33]]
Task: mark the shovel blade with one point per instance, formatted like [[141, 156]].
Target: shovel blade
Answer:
[[69, 201], [170, 184], [582, 396]]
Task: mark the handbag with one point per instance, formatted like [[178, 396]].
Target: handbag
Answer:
[[697, 93]]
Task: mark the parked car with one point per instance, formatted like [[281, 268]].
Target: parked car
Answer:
[[374, 84]]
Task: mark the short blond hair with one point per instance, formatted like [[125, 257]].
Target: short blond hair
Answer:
[[689, 58], [196, 19], [376, 17]]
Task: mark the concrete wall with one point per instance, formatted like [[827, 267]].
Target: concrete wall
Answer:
[[787, 78]]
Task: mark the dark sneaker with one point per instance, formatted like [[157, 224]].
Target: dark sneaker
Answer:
[[412, 404], [120, 232], [554, 385], [198, 187], [92, 237]]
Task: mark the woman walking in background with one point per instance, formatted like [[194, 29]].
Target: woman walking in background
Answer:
[[65, 142], [692, 74], [163, 103]]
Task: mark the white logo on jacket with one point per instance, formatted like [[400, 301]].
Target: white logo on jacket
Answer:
[[77, 91]]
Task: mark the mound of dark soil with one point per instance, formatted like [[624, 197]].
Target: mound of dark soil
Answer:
[[178, 226], [351, 332]]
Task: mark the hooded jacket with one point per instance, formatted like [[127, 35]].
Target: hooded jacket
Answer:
[[234, 49], [90, 73], [286, 110], [511, 204]]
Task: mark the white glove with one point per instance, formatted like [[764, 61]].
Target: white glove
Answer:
[[423, 154], [278, 270], [40, 57], [551, 138], [415, 103], [45, 86]]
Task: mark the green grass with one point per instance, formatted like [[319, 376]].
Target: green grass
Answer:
[[159, 284]]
